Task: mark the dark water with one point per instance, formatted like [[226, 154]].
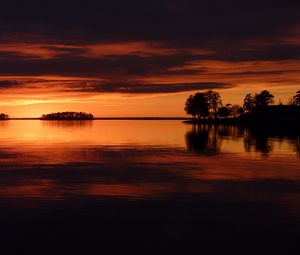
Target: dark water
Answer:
[[69, 187]]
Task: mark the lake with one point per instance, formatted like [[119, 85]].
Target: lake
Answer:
[[77, 186]]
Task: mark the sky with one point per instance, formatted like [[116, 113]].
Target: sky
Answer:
[[144, 58]]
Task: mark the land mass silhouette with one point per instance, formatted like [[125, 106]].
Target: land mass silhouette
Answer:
[[207, 108], [68, 116]]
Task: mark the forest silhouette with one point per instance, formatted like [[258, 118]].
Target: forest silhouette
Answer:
[[207, 107]]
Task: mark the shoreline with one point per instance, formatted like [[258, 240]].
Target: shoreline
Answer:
[[275, 127], [108, 118], [240, 121]]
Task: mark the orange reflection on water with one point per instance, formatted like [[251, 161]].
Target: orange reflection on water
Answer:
[[46, 133], [33, 189], [137, 159], [140, 190]]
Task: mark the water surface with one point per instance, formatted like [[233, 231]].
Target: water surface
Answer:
[[137, 159], [213, 182]]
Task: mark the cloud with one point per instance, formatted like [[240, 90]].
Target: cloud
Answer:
[[147, 88], [126, 43], [97, 86], [180, 22], [9, 84]]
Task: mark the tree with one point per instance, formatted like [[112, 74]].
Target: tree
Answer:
[[190, 107], [249, 103], [236, 110], [202, 105], [296, 99], [225, 111], [197, 105], [263, 99], [214, 102]]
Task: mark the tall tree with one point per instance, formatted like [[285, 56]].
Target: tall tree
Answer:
[[296, 98], [197, 105], [249, 103], [263, 99], [190, 107], [214, 102], [202, 105]]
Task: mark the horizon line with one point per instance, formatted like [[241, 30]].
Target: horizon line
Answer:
[[108, 118]]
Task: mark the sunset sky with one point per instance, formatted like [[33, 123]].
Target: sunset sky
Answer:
[[144, 58]]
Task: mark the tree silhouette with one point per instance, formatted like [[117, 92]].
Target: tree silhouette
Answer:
[[296, 99], [263, 99], [214, 101], [236, 110], [190, 106], [202, 105], [255, 108], [249, 103], [225, 111], [197, 105]]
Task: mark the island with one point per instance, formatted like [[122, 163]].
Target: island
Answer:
[[67, 116], [4, 116]]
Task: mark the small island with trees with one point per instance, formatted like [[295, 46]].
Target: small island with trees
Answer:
[[207, 107], [4, 116], [68, 116]]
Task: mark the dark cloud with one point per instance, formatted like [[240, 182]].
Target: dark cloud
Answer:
[[146, 88], [109, 67], [259, 73], [258, 53], [9, 84], [187, 22], [231, 30], [90, 86]]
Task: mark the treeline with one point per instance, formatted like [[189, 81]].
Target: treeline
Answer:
[[4, 116], [208, 105], [68, 116]]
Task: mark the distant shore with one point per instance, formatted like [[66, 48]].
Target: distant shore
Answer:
[[112, 118]]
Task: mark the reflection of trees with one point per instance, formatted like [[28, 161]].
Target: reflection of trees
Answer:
[[3, 123], [297, 145], [203, 139], [257, 140], [68, 123], [208, 138], [234, 132]]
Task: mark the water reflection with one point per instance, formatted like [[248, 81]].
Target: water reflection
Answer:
[[3, 123], [104, 178], [137, 159], [68, 123], [297, 145], [208, 139], [203, 139], [258, 141]]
